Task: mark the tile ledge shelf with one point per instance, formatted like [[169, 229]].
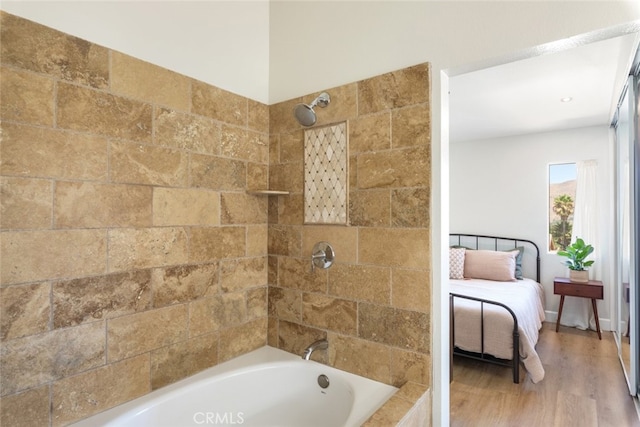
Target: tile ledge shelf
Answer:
[[268, 192]]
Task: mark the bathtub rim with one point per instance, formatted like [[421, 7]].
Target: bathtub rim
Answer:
[[265, 356]]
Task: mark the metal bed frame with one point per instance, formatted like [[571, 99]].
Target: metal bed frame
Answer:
[[514, 363]]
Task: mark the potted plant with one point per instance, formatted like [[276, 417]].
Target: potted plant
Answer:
[[576, 253]]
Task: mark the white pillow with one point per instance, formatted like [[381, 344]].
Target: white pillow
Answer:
[[490, 265], [456, 263]]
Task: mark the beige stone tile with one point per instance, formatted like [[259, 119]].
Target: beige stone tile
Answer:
[[177, 361], [26, 310], [411, 391], [325, 312], [147, 82], [360, 357], [411, 289], [215, 243], [285, 304], [371, 208], [25, 203], [28, 409], [94, 391], [353, 173], [272, 332], [131, 248], [396, 89], [360, 282], [36, 360], [208, 315], [258, 119], [100, 297], [390, 413], [69, 253], [48, 153], [411, 126], [409, 248], [343, 106], [35, 47], [257, 240], [218, 173], [273, 210], [400, 328], [186, 131], [274, 148], [413, 330], [272, 270], [377, 323], [242, 339], [292, 146], [241, 208], [139, 333], [287, 177], [410, 208], [144, 164], [396, 168], [295, 338], [26, 97], [91, 205], [370, 133], [183, 283], [410, 366], [245, 145], [218, 104], [244, 273], [295, 273], [257, 305], [344, 241], [281, 118], [102, 113], [290, 209], [185, 206], [285, 240], [257, 176]]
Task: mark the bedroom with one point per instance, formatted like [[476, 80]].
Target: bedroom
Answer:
[[501, 161], [282, 66]]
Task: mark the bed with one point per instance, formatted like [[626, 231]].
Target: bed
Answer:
[[496, 301]]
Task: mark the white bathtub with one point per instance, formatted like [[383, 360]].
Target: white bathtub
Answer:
[[266, 387]]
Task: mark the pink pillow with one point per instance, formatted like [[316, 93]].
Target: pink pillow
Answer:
[[490, 265]]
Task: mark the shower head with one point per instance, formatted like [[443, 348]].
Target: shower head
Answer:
[[304, 113]]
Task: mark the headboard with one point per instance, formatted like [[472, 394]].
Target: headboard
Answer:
[[530, 258]]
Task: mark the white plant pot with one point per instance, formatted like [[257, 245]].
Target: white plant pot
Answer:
[[579, 276]]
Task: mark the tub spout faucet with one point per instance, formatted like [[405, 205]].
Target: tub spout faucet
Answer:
[[318, 345]]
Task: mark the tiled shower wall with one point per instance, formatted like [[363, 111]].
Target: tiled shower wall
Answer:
[[373, 304], [131, 254]]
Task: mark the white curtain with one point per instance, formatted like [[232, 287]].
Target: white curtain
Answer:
[[577, 312]]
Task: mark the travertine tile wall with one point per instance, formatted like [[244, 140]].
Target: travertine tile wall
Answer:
[[131, 254], [373, 304]]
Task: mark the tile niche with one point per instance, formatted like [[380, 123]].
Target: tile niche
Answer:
[[326, 179]]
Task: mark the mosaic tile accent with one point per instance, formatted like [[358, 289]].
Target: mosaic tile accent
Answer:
[[326, 179]]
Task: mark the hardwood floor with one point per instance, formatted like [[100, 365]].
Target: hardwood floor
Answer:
[[583, 386]]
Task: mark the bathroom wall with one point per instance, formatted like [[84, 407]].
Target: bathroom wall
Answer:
[[131, 254], [373, 304]]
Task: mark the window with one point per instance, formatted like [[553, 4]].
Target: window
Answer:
[[562, 196]]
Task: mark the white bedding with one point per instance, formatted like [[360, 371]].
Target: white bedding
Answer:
[[524, 297]]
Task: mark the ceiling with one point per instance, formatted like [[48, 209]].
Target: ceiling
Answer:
[[524, 96]]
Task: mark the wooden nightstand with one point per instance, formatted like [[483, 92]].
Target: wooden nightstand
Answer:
[[593, 289]]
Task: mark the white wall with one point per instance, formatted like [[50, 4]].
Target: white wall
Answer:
[[500, 187], [317, 45], [224, 43]]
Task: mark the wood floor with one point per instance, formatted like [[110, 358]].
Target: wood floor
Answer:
[[583, 386]]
